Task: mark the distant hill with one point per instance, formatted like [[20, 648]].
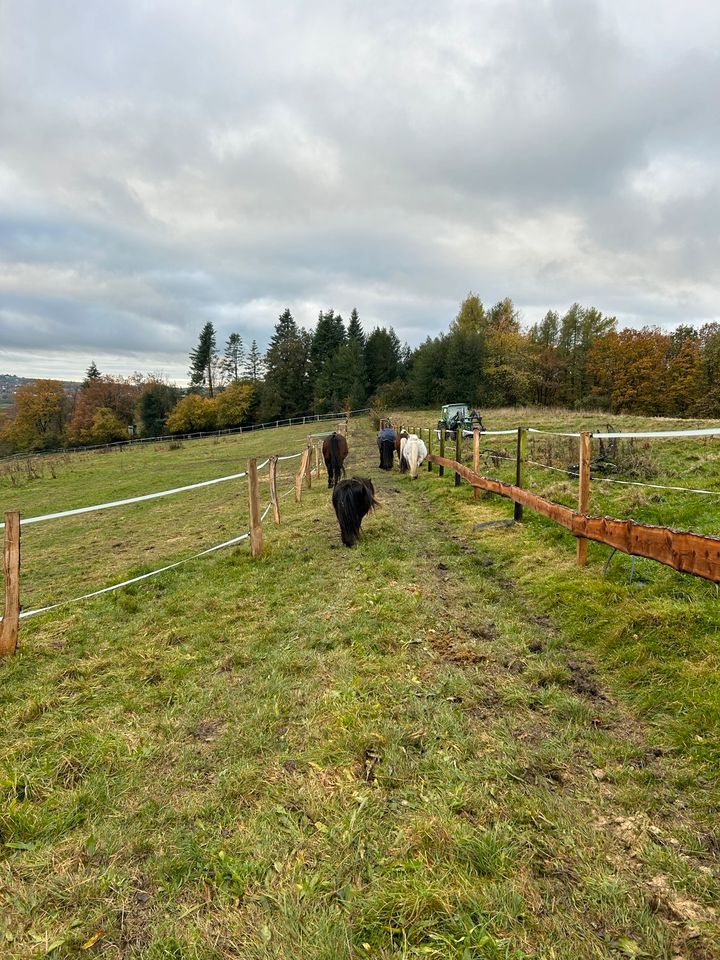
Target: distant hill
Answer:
[[9, 383]]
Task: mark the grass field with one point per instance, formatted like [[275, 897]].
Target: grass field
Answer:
[[443, 743]]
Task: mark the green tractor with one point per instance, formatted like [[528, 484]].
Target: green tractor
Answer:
[[456, 416]]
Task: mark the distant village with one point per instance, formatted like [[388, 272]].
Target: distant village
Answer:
[[10, 383]]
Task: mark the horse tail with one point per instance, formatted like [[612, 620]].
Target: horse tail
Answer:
[[337, 467], [413, 455], [403, 461]]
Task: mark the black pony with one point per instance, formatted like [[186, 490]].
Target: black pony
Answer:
[[353, 499], [335, 450]]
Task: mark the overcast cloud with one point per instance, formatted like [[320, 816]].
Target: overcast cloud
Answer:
[[167, 163]]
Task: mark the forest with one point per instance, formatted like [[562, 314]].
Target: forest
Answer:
[[578, 360]]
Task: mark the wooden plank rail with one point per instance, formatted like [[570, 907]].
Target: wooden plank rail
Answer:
[[687, 552]]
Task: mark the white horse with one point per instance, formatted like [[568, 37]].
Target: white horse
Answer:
[[412, 453]]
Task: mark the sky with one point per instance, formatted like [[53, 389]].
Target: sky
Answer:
[[164, 164]]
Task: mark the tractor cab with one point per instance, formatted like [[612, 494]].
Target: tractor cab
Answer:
[[461, 416]]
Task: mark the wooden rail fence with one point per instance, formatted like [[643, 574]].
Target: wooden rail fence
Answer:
[[687, 552]]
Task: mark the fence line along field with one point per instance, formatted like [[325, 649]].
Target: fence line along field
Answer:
[[447, 742], [93, 550]]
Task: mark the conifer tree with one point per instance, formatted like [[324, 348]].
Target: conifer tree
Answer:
[[254, 365], [202, 359], [91, 374], [285, 391], [234, 356]]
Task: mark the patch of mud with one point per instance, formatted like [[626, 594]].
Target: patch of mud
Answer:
[[583, 680], [453, 651], [677, 905], [483, 631], [206, 731]]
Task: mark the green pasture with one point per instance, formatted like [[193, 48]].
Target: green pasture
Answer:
[[445, 743]]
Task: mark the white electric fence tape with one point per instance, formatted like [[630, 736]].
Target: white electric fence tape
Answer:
[[547, 466], [651, 434], [121, 503], [629, 483], [553, 433], [143, 576], [148, 496], [658, 486]]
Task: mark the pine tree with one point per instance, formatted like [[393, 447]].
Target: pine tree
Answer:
[[382, 357], [202, 359], [355, 331], [328, 337], [91, 374], [351, 367], [234, 356], [254, 365], [285, 391]]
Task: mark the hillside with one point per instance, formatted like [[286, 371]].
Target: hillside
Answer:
[[446, 742], [9, 384]]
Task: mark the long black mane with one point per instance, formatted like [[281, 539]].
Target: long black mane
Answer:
[[352, 500]]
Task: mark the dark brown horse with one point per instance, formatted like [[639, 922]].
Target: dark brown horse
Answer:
[[334, 451], [352, 500]]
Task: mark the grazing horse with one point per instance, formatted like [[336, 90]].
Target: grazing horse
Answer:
[[353, 499], [335, 451], [412, 453], [402, 435]]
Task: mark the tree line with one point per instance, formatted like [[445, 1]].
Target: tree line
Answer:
[[578, 360]]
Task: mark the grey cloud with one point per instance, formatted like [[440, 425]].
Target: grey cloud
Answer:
[[165, 164]]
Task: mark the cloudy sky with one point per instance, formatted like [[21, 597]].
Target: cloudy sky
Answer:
[[163, 164]]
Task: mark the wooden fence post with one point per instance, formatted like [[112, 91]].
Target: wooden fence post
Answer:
[[429, 446], [256, 536], [584, 491], [308, 469], [317, 461], [476, 458], [301, 474], [11, 568], [458, 453], [520, 467], [441, 471], [273, 489]]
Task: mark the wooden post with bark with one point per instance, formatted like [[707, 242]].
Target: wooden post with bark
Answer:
[[256, 536], [520, 467], [273, 489], [11, 568], [458, 453], [429, 447], [441, 468], [584, 491], [476, 457], [308, 469], [304, 460]]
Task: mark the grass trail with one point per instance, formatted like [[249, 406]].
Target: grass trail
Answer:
[[401, 750]]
